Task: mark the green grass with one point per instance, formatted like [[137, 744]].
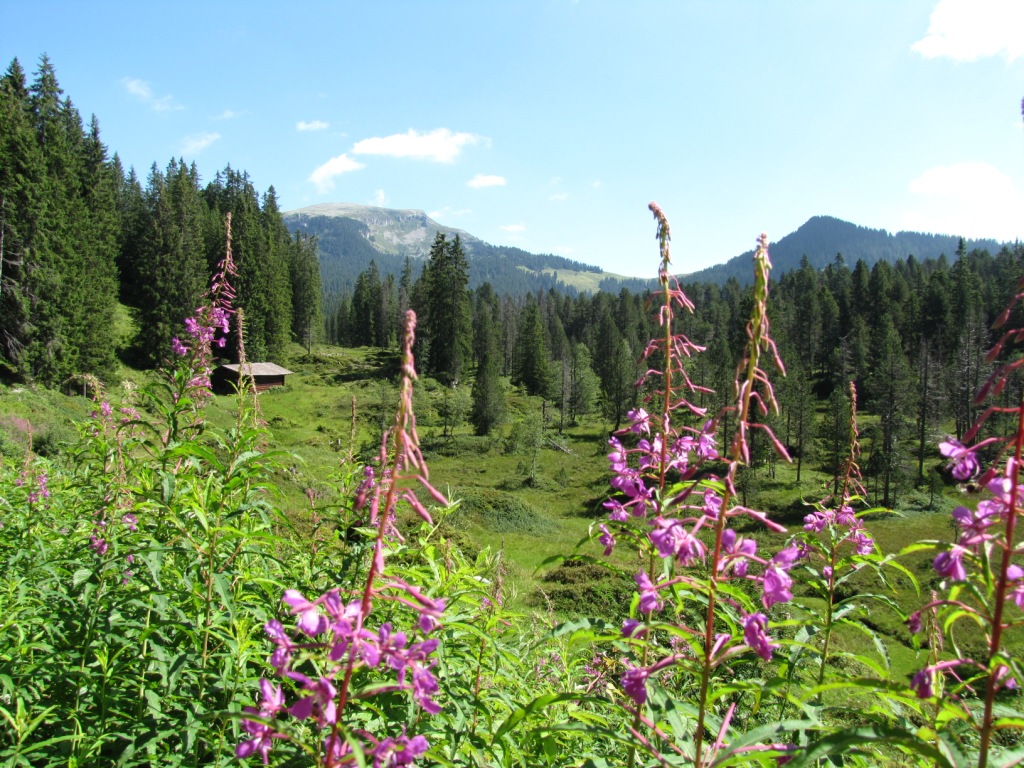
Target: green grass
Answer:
[[532, 511]]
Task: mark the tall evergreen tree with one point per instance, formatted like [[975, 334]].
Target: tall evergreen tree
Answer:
[[170, 259], [307, 294], [488, 409], [891, 394], [447, 307], [532, 369]]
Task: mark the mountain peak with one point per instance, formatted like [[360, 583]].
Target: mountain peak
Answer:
[[406, 231], [822, 238]]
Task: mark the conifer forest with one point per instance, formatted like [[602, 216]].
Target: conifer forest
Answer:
[[758, 521]]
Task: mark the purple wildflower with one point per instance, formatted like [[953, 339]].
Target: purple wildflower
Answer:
[[1016, 574], [965, 464], [630, 627], [606, 539], [776, 583], [640, 421], [950, 565], [319, 704], [672, 539], [177, 347], [923, 683], [755, 627], [863, 544], [392, 753], [737, 551], [282, 655], [914, 622], [649, 600], [310, 620], [634, 683]]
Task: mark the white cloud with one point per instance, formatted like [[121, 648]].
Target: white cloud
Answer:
[[379, 198], [137, 87], [513, 228], [441, 145], [141, 90], [485, 180], [967, 30], [324, 175], [974, 200], [227, 114], [196, 143], [449, 212], [312, 125], [559, 197]]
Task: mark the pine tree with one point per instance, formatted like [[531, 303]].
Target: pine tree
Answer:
[[532, 368], [21, 207], [584, 386], [890, 389], [170, 259], [447, 309], [364, 314], [307, 294], [488, 409]]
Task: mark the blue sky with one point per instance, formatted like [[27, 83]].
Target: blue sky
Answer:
[[550, 124]]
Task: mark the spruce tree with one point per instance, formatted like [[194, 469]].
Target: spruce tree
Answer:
[[447, 308], [532, 368], [488, 409], [307, 294], [169, 259]]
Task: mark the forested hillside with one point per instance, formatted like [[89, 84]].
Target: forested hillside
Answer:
[[822, 237], [348, 243], [79, 233], [912, 336]]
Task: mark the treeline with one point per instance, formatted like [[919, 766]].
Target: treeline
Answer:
[[822, 237], [912, 336], [78, 234]]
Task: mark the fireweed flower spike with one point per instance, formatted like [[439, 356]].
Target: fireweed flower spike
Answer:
[[980, 574], [331, 642], [667, 504]]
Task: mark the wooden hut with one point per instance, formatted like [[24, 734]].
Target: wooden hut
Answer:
[[264, 376]]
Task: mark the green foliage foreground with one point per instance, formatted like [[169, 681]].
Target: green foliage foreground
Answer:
[[157, 609]]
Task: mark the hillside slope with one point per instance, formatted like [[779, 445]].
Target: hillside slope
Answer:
[[822, 237]]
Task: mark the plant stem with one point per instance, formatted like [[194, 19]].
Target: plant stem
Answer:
[[1000, 595]]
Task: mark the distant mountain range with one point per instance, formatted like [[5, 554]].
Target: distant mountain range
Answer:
[[351, 236], [822, 237]]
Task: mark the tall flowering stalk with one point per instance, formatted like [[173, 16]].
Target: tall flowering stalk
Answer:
[[982, 571], [331, 644], [670, 506], [835, 547], [189, 383]]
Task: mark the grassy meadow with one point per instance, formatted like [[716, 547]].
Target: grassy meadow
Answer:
[[532, 501]]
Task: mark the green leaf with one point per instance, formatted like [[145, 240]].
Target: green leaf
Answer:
[[840, 742], [535, 706], [80, 576]]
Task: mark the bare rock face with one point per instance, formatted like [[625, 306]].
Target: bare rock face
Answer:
[[403, 232]]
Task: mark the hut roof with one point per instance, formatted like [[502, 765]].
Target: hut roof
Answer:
[[258, 369]]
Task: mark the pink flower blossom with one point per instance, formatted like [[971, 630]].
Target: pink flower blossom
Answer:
[[649, 599], [634, 683], [310, 620], [965, 464], [776, 583], [950, 565], [755, 627]]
